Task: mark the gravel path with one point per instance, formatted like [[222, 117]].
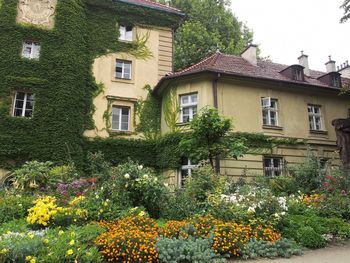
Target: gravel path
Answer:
[[331, 254]]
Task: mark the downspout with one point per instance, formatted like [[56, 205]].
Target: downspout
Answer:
[[216, 106]]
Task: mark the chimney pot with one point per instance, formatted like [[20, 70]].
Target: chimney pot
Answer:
[[304, 61], [345, 69], [250, 54]]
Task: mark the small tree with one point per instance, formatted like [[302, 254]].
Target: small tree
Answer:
[[210, 138]]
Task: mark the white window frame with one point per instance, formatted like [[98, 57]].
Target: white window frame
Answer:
[[191, 105], [34, 49], [24, 108], [266, 104], [186, 167], [124, 63], [125, 35], [275, 171], [313, 116], [120, 108]]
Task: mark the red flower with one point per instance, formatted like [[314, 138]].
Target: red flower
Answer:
[[326, 184], [93, 180]]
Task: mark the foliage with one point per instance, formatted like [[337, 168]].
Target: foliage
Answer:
[[130, 239], [32, 175], [308, 175], [14, 206], [346, 7], [16, 225], [62, 79], [336, 205], [149, 112], [210, 138], [139, 186], [186, 250], [209, 20], [171, 109], [284, 248], [99, 167], [308, 237], [77, 187]]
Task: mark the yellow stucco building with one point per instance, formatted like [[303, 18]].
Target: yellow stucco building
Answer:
[[263, 97]]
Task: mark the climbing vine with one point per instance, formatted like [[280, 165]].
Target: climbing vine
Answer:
[[171, 110], [61, 79]]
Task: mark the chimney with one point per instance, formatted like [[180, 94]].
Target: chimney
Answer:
[[250, 54], [304, 61], [344, 70], [330, 65]]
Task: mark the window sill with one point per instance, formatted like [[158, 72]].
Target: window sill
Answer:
[[116, 132], [315, 132], [127, 81], [269, 127], [183, 124]]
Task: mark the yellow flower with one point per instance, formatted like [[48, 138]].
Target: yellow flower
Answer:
[[33, 260], [30, 235], [46, 241], [61, 232], [4, 251], [142, 213], [28, 258], [70, 252], [72, 242]]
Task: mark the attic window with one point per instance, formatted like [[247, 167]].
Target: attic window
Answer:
[[298, 74], [336, 81]]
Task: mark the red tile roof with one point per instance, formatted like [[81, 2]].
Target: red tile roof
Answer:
[[238, 66], [155, 5]]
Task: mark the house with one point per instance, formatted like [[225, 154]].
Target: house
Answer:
[[262, 97], [64, 75]]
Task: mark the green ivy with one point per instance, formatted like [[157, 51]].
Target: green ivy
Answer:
[[62, 79]]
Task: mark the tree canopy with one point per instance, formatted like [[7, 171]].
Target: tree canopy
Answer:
[[346, 7], [209, 25]]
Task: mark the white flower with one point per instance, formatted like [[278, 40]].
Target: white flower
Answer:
[[166, 184], [251, 209], [126, 176], [140, 167], [145, 176], [283, 213]]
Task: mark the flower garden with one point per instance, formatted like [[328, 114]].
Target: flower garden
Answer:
[[130, 214]]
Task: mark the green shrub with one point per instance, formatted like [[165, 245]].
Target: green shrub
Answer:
[[14, 206], [16, 225], [99, 167], [309, 238], [284, 248], [283, 185], [63, 173], [335, 205], [32, 175], [186, 250], [135, 185]]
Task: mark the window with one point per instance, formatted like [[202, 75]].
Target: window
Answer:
[[298, 74], [336, 81], [123, 69], [269, 111], [273, 166], [120, 118], [188, 104], [31, 50], [125, 33], [186, 170], [23, 105], [315, 117]]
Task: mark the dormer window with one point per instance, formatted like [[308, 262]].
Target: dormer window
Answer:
[[336, 81], [298, 74], [294, 72], [331, 79]]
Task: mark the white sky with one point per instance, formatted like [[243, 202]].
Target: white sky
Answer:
[[283, 28]]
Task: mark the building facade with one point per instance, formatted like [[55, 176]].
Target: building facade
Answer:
[[263, 97]]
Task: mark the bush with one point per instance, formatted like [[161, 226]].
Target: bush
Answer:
[[284, 248], [14, 206], [98, 167], [138, 186], [309, 238], [186, 250], [336, 205], [31, 176], [16, 225]]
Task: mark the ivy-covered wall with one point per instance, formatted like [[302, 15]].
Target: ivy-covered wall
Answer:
[[61, 79]]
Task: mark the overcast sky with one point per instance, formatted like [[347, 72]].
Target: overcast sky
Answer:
[[283, 28]]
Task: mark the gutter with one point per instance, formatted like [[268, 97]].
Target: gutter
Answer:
[[153, 7]]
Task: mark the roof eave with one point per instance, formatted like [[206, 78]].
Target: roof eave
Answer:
[[154, 8], [171, 77]]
